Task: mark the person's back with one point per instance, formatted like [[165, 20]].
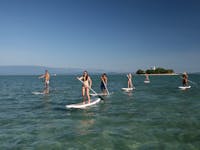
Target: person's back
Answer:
[[47, 76]]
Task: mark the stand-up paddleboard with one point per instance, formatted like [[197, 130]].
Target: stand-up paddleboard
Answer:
[[146, 81], [184, 87], [101, 94], [82, 105], [38, 93], [128, 89]]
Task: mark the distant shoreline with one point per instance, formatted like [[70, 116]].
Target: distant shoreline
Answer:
[[161, 74]]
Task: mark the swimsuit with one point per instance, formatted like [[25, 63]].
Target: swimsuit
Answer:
[[102, 86]]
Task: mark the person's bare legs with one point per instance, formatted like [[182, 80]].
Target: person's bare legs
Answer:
[[88, 94], [83, 94]]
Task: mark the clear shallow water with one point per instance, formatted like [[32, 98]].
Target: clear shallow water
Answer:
[[154, 116]]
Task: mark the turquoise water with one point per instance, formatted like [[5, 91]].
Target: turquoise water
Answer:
[[155, 116]]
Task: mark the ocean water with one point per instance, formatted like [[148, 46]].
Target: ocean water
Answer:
[[155, 116]]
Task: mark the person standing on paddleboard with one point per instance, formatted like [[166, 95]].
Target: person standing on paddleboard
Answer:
[[130, 84], [46, 77], [87, 84], [185, 79], [104, 81], [147, 77]]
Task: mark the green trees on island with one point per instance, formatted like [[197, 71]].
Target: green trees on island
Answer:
[[155, 71], [140, 71]]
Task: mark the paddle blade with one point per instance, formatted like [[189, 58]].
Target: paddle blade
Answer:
[[100, 97]]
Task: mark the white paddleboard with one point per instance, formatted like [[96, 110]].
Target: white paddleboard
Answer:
[[184, 87], [146, 81], [81, 105], [100, 94], [38, 93], [128, 89]]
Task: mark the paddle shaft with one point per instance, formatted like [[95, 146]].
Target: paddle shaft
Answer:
[[190, 81], [106, 87]]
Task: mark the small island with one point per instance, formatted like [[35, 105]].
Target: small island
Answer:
[[156, 71]]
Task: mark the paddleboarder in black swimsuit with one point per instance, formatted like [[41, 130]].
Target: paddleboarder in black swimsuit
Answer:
[[185, 79], [104, 81]]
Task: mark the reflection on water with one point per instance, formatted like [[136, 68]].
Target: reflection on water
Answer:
[[130, 93], [47, 101], [46, 90], [84, 125]]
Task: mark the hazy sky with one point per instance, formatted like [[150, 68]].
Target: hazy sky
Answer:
[[115, 35]]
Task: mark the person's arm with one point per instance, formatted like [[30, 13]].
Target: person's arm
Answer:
[[90, 82], [186, 81], [102, 78], [80, 78], [42, 76], [106, 80]]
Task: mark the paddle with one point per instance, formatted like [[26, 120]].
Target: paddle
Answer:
[[190, 81], [106, 87], [92, 90]]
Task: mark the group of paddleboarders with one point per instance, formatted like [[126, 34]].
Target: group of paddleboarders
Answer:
[[87, 83]]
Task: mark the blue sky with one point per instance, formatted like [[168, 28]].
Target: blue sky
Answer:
[[124, 35]]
